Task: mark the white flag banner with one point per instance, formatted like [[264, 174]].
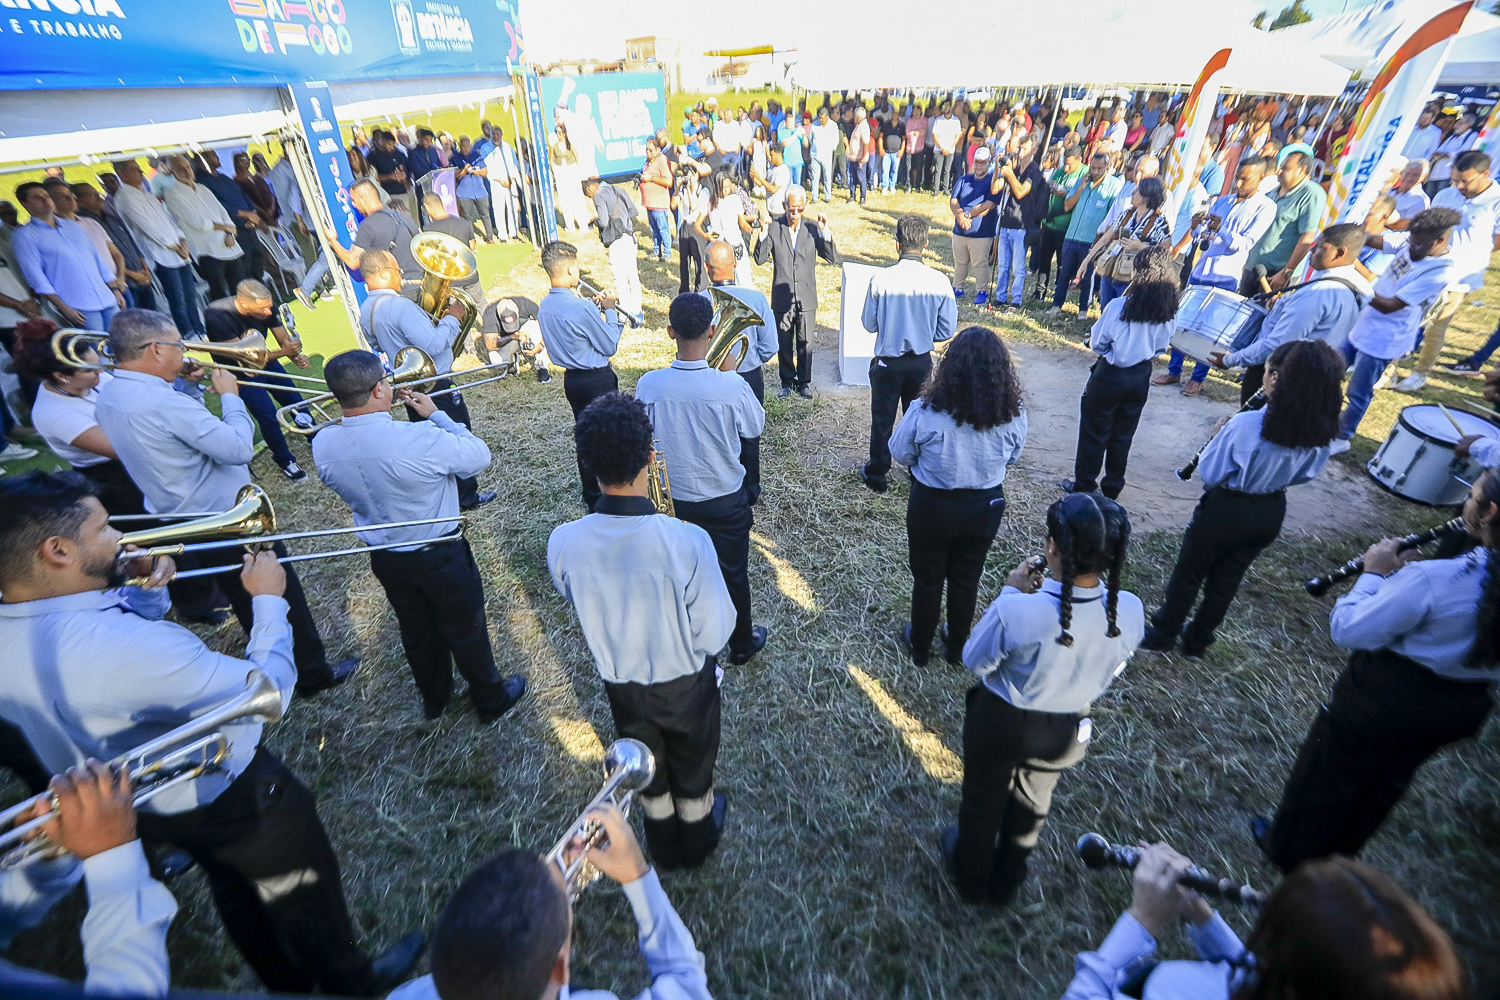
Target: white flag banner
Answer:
[[1197, 114]]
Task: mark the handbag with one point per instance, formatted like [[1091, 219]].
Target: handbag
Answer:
[[1119, 263]]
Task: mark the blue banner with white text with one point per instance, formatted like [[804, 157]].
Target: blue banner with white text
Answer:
[[609, 117], [330, 160], [58, 44]]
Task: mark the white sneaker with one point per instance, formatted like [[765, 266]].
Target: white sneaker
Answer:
[[1411, 383], [1338, 447], [1386, 377], [1054, 311], [15, 453]]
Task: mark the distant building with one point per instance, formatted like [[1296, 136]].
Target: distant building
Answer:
[[666, 54]]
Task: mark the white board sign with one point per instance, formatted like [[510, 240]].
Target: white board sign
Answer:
[[856, 344]]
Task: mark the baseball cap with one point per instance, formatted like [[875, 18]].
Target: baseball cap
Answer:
[[510, 317], [982, 153]]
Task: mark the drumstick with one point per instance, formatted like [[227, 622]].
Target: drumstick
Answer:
[[1492, 416], [1456, 425], [1265, 286]]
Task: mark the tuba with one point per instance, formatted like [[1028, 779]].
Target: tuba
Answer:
[[731, 319], [446, 262], [628, 768]]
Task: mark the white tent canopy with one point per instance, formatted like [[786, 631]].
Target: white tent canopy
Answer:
[[1155, 49], [1361, 40]]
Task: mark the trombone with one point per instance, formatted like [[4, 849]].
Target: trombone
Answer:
[[251, 351], [181, 755], [628, 768]]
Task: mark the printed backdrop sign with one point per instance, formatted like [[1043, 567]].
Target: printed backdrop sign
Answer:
[[609, 117], [1192, 126], [325, 143], [51, 44]]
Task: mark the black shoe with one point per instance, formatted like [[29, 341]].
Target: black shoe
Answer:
[[903, 636], [702, 852], [877, 484], [1260, 832], [434, 712], [338, 673], [479, 499], [293, 471], [1465, 367], [1066, 485], [515, 688], [391, 966], [757, 642], [1157, 642], [172, 863], [948, 846], [955, 658], [543, 376], [217, 616], [783, 392], [805, 391]]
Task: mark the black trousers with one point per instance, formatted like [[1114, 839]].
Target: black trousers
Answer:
[[17, 757], [1013, 759], [1228, 530], [689, 260], [307, 644], [794, 330], [223, 276], [275, 880], [750, 447], [728, 520], [453, 404], [679, 721], [1254, 378], [1108, 413], [1048, 246], [892, 381], [948, 535], [1386, 717], [438, 598], [582, 386]]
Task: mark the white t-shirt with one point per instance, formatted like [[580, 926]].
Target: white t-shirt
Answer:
[[725, 220], [1453, 145], [60, 419], [1418, 284], [945, 133], [1423, 143], [727, 137], [1473, 238], [781, 177], [1412, 202]]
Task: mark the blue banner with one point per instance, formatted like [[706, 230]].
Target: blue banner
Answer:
[[52, 44], [609, 117], [330, 160], [535, 112]]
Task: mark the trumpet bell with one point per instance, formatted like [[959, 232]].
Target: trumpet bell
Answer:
[[731, 342], [251, 515], [633, 761]]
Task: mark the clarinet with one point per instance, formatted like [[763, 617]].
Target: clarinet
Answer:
[[1255, 402], [1318, 585], [1098, 853]]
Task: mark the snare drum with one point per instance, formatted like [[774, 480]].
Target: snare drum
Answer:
[[1416, 461], [1215, 319]]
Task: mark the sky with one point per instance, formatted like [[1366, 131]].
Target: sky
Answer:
[[557, 29]]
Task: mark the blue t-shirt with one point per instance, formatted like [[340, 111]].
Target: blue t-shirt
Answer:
[[1212, 177], [1150, 118], [970, 192], [791, 144]]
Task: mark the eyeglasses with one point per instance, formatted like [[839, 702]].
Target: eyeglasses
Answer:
[[179, 344]]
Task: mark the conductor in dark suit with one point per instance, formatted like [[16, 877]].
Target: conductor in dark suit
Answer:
[[796, 246]]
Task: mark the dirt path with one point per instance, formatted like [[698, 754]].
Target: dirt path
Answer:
[[1173, 427]]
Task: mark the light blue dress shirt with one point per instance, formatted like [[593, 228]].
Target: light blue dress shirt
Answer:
[[764, 343], [1316, 310], [1014, 648], [1243, 224], [392, 321], [673, 961], [648, 591], [1425, 611], [1099, 975], [63, 261], [577, 335], [946, 455], [1093, 206], [87, 677], [180, 455], [390, 470], [909, 307], [1239, 459], [1125, 344], [700, 414]]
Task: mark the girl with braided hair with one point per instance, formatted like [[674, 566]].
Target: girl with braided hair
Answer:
[[1426, 642], [1246, 470], [1044, 650]]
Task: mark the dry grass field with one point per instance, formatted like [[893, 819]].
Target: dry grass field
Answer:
[[840, 760]]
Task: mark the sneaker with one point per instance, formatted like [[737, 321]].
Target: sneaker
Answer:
[[757, 642], [1387, 378], [1412, 383], [1157, 642], [15, 453], [543, 376], [958, 293], [1461, 368], [294, 472], [876, 483], [980, 298], [1338, 447], [304, 298], [783, 392], [1054, 311]]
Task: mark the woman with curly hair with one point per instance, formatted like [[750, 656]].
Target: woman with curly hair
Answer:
[[957, 439], [1131, 330], [1426, 642], [1043, 652], [1246, 470]]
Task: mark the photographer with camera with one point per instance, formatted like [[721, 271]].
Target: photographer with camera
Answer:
[[1020, 191], [691, 203]]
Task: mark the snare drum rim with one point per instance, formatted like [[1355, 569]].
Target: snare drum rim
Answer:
[[1408, 426]]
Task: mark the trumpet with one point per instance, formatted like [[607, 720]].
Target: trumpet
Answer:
[[181, 755], [1098, 854], [1255, 402], [250, 351], [445, 262], [591, 292], [1318, 585], [628, 768], [658, 485]]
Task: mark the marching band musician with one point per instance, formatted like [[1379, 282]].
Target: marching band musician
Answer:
[[581, 336], [1426, 655], [388, 470], [1043, 651], [702, 418], [507, 933], [1246, 470], [1322, 308], [720, 261], [87, 676], [391, 322], [1332, 929], [185, 459], [909, 307], [655, 612]]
